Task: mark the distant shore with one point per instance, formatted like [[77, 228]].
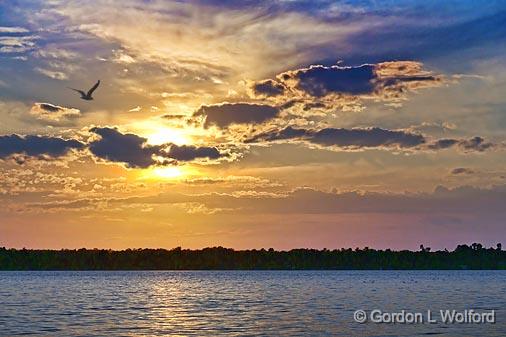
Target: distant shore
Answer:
[[474, 256]]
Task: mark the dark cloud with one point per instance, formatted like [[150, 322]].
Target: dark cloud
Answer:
[[284, 134], [49, 107], [36, 146], [313, 105], [223, 115], [135, 152], [125, 148], [443, 144], [477, 144], [388, 80], [461, 170], [346, 138], [268, 88], [320, 80], [373, 137], [190, 152]]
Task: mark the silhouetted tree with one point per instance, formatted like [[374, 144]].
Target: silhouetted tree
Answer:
[[463, 257]]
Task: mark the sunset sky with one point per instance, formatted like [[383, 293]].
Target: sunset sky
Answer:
[[251, 124]]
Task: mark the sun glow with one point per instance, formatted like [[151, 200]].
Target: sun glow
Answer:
[[168, 172], [167, 135], [158, 134], [158, 173]]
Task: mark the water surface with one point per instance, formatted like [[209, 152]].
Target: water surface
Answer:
[[243, 303]]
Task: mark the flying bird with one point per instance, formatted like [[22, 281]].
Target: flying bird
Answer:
[[87, 95]]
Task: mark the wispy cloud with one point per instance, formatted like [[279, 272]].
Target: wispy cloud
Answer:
[[13, 30]]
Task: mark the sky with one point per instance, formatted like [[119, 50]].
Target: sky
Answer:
[[252, 124]]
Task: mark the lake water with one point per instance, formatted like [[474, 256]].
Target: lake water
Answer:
[[244, 303]]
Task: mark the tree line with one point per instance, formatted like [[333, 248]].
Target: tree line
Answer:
[[474, 256]]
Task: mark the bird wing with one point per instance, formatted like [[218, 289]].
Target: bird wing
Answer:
[[79, 91], [93, 88]]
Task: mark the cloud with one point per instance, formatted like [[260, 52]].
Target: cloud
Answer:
[[56, 75], [16, 40], [55, 54], [127, 148], [119, 56], [225, 114], [161, 39], [246, 182], [268, 88], [176, 117], [474, 35], [190, 152], [13, 30], [477, 144], [459, 200], [135, 152], [373, 137], [54, 115], [136, 109], [386, 80], [443, 144], [319, 80], [345, 138], [37, 146], [441, 201], [48, 107], [433, 127], [16, 44], [461, 170]]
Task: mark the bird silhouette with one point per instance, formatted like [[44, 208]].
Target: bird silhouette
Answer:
[[87, 95]]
